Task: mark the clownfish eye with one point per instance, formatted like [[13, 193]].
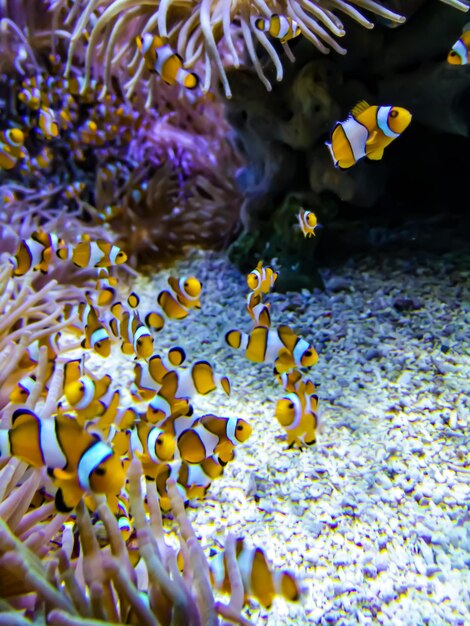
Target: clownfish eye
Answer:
[[186, 285], [290, 405], [239, 427], [159, 442], [308, 353], [139, 342], [82, 388], [452, 53], [394, 113], [100, 471], [98, 344]]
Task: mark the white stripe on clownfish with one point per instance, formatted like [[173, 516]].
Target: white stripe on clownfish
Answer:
[[91, 459]]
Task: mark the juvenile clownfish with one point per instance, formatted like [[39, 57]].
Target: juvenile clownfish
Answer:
[[278, 26], [257, 310], [77, 461], [460, 51], [47, 123], [36, 253], [152, 319], [187, 291], [280, 346], [297, 414], [367, 131], [261, 279], [11, 147], [97, 254], [30, 96], [259, 579], [160, 58], [192, 480], [198, 438], [307, 222]]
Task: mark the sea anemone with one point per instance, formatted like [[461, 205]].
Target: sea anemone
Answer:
[[195, 30]]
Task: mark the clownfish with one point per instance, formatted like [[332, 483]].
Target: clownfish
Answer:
[[85, 393], [257, 310], [11, 147], [280, 346], [366, 132], [187, 291], [192, 481], [278, 26], [77, 461], [134, 334], [99, 253], [152, 319], [21, 391], [261, 279], [148, 377], [161, 59], [36, 253], [200, 379], [149, 443], [307, 222], [198, 438], [460, 51], [47, 123], [259, 579], [30, 96], [105, 287], [96, 336], [297, 414]]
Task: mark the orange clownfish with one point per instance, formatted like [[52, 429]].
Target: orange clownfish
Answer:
[[257, 310], [98, 253], [307, 222], [297, 414], [367, 131], [192, 481], [77, 461], [160, 58], [261, 279], [259, 579], [187, 292], [36, 253], [278, 26], [280, 346], [47, 123], [11, 147], [460, 51]]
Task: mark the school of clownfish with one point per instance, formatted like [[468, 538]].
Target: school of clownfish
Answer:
[[89, 441]]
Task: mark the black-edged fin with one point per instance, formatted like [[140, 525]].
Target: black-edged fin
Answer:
[[23, 416], [60, 503]]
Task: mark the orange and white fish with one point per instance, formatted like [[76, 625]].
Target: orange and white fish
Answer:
[[280, 346], [278, 26], [258, 310], [105, 287], [460, 51], [366, 132], [77, 461], [148, 377], [259, 579], [160, 58], [297, 412], [134, 334], [98, 253], [307, 222], [192, 480], [36, 253], [148, 442], [85, 393], [11, 147], [187, 291], [261, 279], [47, 123], [198, 438], [96, 335]]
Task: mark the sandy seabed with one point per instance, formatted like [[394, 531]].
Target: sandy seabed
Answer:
[[375, 518]]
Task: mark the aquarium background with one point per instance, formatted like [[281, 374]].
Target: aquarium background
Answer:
[[209, 415]]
